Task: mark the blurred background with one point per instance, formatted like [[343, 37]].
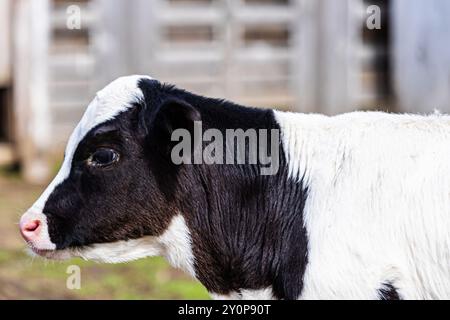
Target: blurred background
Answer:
[[301, 55]]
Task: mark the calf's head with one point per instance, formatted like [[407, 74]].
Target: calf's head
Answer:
[[111, 200]]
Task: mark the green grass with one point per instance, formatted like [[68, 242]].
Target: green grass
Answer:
[[10, 173], [150, 278]]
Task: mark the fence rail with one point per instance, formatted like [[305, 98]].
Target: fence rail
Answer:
[[301, 55]]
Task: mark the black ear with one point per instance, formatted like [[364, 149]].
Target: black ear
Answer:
[[172, 114], [176, 114]]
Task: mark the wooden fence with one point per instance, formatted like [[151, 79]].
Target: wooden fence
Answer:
[[301, 55]]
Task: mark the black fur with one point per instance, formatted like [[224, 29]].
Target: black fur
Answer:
[[388, 292], [247, 229]]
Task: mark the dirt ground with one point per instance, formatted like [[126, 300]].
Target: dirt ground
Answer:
[[25, 277]]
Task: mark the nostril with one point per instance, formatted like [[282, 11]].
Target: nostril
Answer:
[[31, 226], [33, 229]]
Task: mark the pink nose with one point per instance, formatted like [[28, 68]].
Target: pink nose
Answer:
[[30, 229]]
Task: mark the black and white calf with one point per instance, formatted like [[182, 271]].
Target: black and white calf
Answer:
[[359, 208]]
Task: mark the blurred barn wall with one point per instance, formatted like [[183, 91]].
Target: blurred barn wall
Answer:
[[6, 154], [421, 42], [5, 40], [300, 55]]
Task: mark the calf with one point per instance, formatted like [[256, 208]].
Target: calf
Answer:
[[358, 208]]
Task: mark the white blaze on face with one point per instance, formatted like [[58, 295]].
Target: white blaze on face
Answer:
[[115, 98]]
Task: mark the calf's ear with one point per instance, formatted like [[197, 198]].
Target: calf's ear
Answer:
[[172, 114], [176, 114]]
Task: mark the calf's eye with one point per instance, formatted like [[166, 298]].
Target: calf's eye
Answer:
[[103, 157]]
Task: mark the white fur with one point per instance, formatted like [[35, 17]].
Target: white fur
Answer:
[[378, 206], [246, 294], [230, 296], [115, 98], [120, 251], [174, 244]]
